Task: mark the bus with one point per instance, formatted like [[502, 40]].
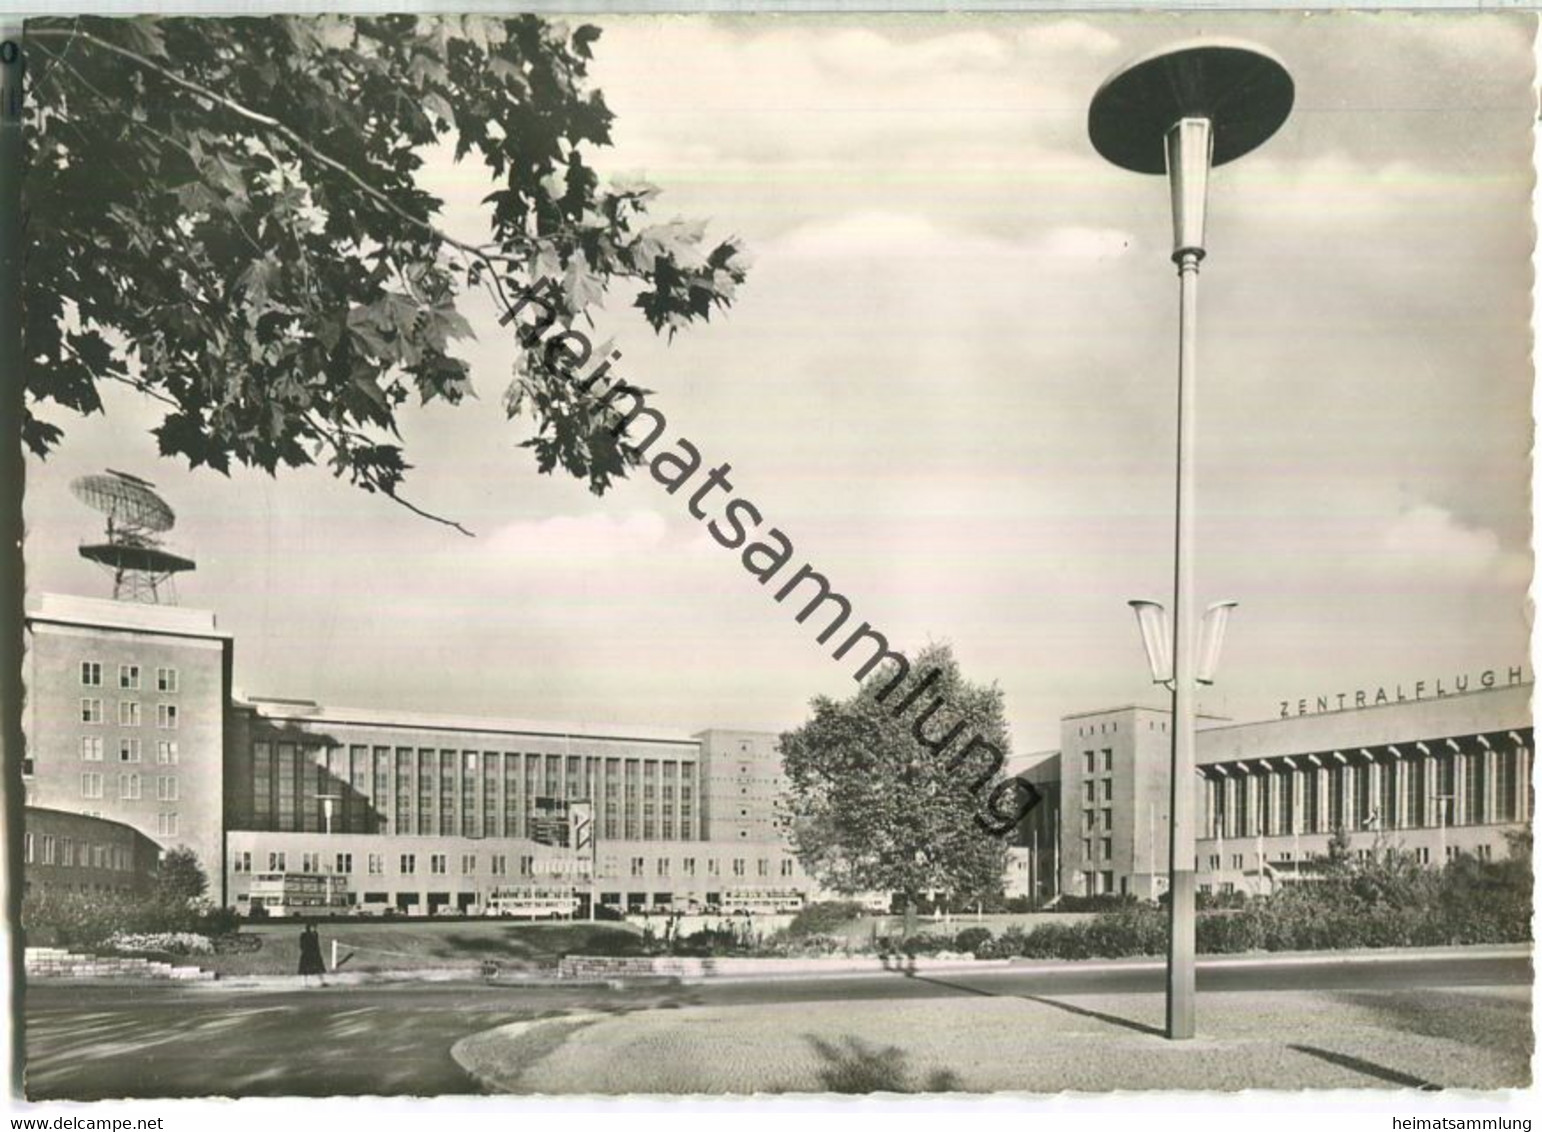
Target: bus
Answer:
[[761, 900], [299, 894], [533, 902]]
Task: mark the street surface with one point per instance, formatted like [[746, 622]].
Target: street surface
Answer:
[[170, 1041]]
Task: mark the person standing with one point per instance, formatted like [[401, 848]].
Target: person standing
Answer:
[[311, 962]]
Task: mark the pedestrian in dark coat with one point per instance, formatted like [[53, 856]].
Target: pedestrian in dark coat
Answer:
[[311, 962]]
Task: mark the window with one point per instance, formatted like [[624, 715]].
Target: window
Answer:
[[1108, 790], [277, 863], [90, 674], [1106, 879], [1108, 759], [468, 864], [1089, 761], [1108, 819], [166, 752], [527, 866], [91, 748], [438, 864], [738, 866], [128, 713], [661, 866], [1215, 861], [166, 788], [310, 862], [376, 864], [166, 716], [500, 864], [1089, 794], [762, 868], [714, 866], [787, 865], [166, 825], [1451, 852], [1236, 860], [128, 676], [1089, 819], [1087, 848], [1483, 852], [344, 863], [165, 679], [27, 848], [242, 862], [408, 863], [128, 750], [1422, 855], [90, 711], [1108, 848], [637, 866], [49, 849], [91, 785], [689, 865]]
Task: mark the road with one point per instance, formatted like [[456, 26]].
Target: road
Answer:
[[89, 1043]]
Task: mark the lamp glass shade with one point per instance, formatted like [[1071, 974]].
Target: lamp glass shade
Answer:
[[1212, 633], [1156, 634]]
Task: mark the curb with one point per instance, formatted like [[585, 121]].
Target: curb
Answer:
[[467, 1054]]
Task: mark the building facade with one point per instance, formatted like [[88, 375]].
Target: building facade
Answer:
[[130, 718], [1435, 776], [67, 853], [420, 813], [125, 713]]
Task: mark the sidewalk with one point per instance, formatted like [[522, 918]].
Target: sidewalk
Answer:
[[1469, 1037]]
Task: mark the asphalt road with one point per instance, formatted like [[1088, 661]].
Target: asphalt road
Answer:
[[91, 1043]]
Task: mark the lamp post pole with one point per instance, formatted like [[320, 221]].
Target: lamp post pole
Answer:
[[1180, 112]]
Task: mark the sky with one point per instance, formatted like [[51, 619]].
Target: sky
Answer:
[[949, 379]]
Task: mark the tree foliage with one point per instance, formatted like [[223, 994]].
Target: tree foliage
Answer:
[[224, 214], [179, 879], [873, 810]]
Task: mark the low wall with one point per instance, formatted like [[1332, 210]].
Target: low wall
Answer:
[[684, 967]]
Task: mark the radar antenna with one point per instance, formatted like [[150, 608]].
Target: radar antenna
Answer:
[[141, 569]]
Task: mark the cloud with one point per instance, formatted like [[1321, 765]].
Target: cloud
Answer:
[[578, 541], [1430, 540], [875, 234]]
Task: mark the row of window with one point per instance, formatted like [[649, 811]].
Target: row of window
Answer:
[[427, 791], [128, 713], [1090, 819], [1090, 760], [68, 853], [1105, 846], [129, 750], [128, 677], [688, 867], [439, 864], [130, 786], [1452, 789]]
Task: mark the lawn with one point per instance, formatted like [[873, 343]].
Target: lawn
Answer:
[[413, 945]]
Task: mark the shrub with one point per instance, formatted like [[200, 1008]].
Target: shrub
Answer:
[[1104, 902], [976, 940], [816, 919]]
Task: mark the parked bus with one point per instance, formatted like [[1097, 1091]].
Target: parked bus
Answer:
[[533, 901], [299, 894], [761, 900]]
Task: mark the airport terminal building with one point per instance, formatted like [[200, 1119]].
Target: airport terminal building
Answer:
[[131, 717]]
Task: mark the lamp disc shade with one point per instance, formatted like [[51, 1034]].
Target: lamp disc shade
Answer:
[[1243, 90]]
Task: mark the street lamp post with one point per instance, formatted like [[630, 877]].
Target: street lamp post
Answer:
[[1180, 112]]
